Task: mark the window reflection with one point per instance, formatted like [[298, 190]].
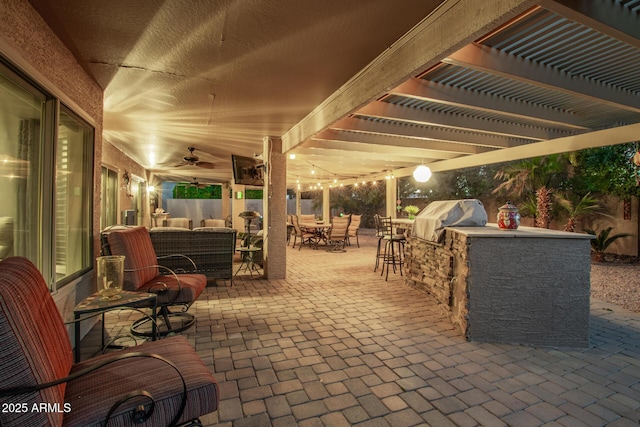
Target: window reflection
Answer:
[[73, 190], [46, 181], [20, 149]]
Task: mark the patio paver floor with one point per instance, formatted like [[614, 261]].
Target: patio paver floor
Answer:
[[334, 344]]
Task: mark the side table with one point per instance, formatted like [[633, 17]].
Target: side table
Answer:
[[94, 304], [247, 256]]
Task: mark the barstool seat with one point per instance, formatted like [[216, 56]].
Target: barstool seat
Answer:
[[393, 256]]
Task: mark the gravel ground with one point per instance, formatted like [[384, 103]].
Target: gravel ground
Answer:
[[617, 284]]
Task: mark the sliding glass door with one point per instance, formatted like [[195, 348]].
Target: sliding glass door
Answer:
[[46, 180]]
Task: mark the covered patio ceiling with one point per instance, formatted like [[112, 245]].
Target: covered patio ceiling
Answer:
[[561, 76], [357, 89]]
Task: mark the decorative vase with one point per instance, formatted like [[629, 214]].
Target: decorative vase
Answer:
[[412, 216], [110, 275], [508, 217]]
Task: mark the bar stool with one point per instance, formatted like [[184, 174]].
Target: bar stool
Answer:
[[379, 235], [393, 247]]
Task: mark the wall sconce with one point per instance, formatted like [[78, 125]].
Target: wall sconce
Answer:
[[126, 183], [239, 195]]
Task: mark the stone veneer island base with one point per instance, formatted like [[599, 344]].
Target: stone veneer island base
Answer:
[[527, 286]]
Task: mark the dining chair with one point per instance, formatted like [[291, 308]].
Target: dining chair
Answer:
[[157, 383], [354, 226], [305, 236], [307, 219], [338, 233]]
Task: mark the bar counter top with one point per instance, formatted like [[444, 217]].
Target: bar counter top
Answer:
[[492, 230]]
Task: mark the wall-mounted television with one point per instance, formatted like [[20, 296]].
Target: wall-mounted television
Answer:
[[247, 170]]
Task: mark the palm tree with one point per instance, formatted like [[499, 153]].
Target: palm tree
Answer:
[[602, 241], [586, 206], [534, 176]]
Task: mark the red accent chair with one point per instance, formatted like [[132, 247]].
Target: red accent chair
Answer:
[[142, 274], [158, 383]]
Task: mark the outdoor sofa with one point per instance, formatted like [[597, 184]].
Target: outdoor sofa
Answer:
[[210, 248]]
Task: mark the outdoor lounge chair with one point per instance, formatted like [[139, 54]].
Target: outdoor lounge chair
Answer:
[[142, 274], [158, 383]]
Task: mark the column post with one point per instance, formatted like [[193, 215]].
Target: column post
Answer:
[[275, 209]]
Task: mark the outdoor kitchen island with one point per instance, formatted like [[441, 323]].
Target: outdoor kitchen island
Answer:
[[526, 286]]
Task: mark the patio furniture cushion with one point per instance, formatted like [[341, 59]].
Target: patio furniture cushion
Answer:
[[35, 349], [178, 222], [35, 346], [213, 223], [184, 291], [136, 245], [87, 394]]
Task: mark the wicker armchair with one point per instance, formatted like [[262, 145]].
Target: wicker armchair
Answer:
[[159, 383]]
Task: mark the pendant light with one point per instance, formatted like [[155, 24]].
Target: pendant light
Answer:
[[422, 173]]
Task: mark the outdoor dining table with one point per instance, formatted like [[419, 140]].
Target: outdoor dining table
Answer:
[[320, 230]]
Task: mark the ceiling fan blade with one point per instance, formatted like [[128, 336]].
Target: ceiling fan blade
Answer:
[[205, 165]]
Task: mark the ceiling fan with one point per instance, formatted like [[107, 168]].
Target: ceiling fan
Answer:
[[195, 183], [192, 160]]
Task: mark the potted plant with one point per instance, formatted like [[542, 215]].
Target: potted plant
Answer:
[[412, 211]]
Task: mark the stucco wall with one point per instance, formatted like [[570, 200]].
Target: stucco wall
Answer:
[[29, 43], [614, 209], [115, 159]]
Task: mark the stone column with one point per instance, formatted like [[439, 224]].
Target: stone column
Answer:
[[392, 196], [237, 206], [226, 200], [275, 209], [326, 205]]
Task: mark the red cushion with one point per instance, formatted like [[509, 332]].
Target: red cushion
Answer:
[[90, 403], [184, 289], [135, 244], [34, 344]]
